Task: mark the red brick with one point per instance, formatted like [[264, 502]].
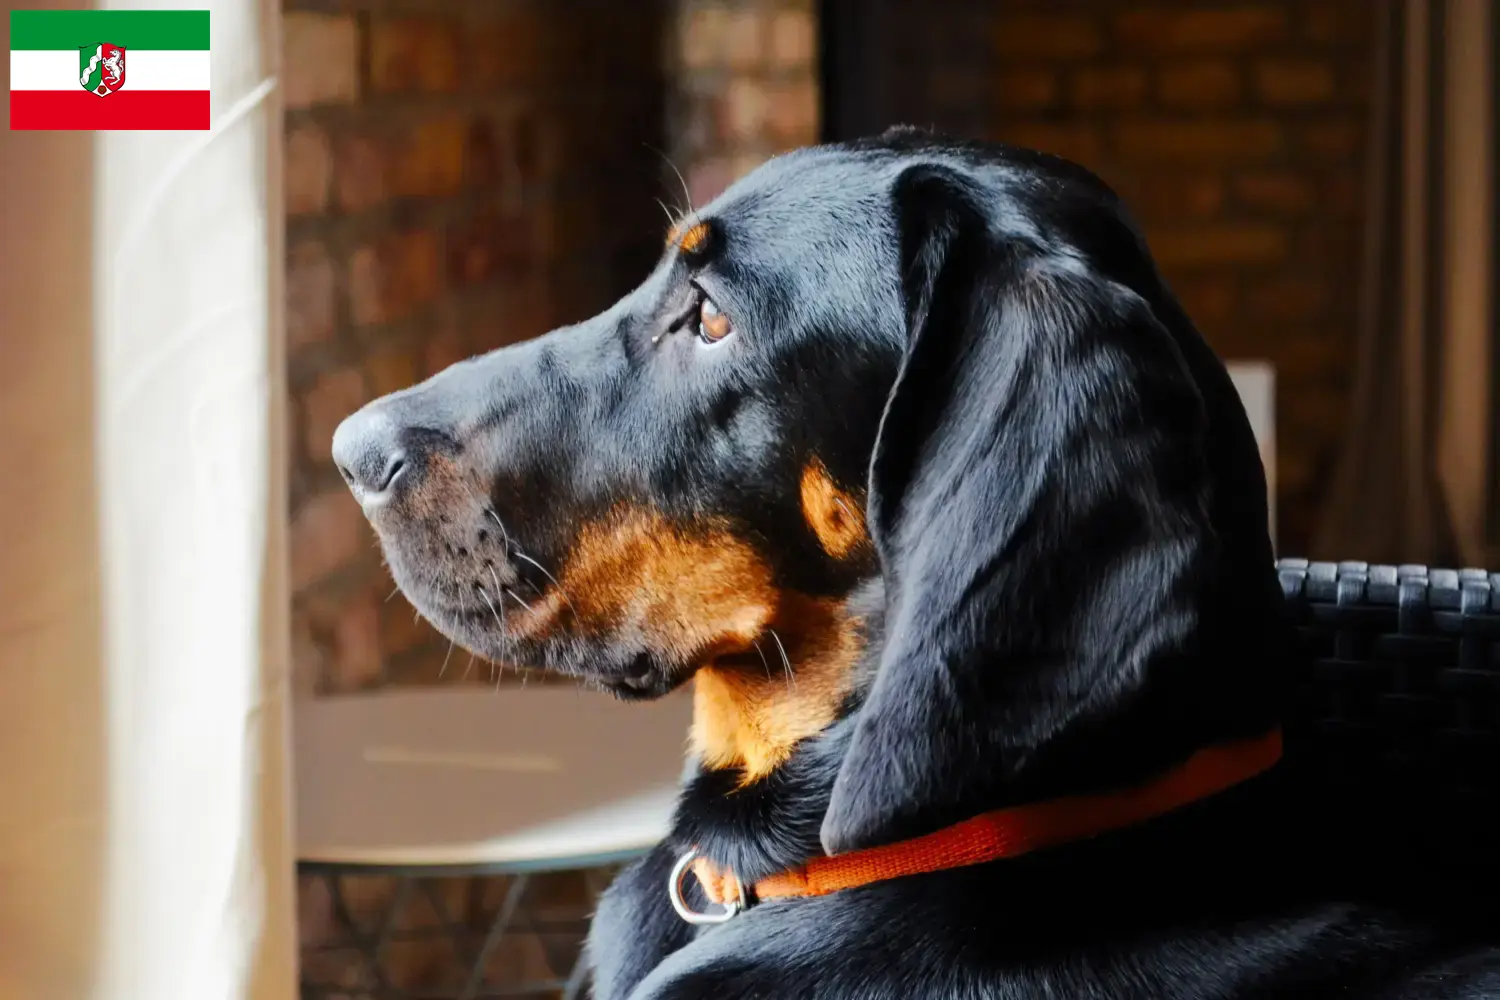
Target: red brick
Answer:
[[360, 168], [1294, 82], [1277, 192], [394, 277], [392, 370], [956, 86], [311, 289], [308, 167], [794, 40], [1026, 89], [1205, 84], [1339, 140], [703, 36], [565, 227], [745, 107], [1197, 246], [444, 348], [357, 662], [1209, 300], [1052, 35], [745, 42], [1342, 194], [414, 54], [401, 629], [707, 178], [481, 154], [327, 531], [308, 660], [792, 113], [1238, 26], [431, 160], [1159, 195], [487, 244], [332, 397], [1083, 144], [516, 313], [510, 49], [1286, 298], [1337, 22], [1226, 141], [535, 140], [319, 60], [1109, 87]]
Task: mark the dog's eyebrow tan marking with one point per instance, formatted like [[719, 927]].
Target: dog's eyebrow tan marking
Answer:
[[690, 240], [833, 515]]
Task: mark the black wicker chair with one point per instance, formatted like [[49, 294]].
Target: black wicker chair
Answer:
[[1395, 730]]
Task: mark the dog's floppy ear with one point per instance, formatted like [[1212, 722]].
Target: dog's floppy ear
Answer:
[[1038, 500]]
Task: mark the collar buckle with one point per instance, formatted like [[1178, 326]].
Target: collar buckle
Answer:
[[729, 910]]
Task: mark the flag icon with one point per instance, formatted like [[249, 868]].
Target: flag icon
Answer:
[[68, 69]]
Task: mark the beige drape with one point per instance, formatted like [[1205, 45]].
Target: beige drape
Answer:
[[1417, 481], [145, 848]]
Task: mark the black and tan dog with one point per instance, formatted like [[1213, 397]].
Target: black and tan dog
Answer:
[[907, 457]]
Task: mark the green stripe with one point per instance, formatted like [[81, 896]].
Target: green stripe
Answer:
[[129, 29]]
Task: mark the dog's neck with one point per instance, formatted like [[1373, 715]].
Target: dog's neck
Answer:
[[769, 748], [752, 710]]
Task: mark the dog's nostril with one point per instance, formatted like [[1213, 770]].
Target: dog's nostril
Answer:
[[348, 476], [393, 468]]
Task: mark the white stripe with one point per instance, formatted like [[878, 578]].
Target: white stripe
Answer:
[[145, 69]]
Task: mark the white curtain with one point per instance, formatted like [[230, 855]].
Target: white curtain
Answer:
[[145, 848]]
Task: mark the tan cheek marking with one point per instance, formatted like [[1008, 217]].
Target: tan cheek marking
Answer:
[[832, 514], [752, 716], [691, 596], [705, 598]]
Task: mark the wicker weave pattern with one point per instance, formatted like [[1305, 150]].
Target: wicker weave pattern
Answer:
[[1398, 704]]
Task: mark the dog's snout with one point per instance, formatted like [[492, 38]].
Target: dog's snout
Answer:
[[369, 453]]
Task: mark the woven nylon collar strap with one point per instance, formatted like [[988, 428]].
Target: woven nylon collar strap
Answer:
[[1005, 833]]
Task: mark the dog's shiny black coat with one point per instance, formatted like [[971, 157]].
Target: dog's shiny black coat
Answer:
[[1071, 589], [1076, 589]]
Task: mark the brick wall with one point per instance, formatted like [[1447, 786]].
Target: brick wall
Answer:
[[459, 175], [745, 87], [1236, 131]]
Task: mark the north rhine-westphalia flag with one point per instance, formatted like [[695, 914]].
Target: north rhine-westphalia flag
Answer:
[[109, 69]]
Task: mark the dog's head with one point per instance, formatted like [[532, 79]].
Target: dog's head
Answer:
[[899, 428]]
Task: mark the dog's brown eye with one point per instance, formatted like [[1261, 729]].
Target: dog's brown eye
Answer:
[[713, 325]]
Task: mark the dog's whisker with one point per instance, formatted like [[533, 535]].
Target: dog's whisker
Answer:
[[671, 219], [499, 524], [469, 667], [516, 597], [495, 578], [791, 680], [543, 570], [446, 657], [499, 617], [392, 594], [763, 661]]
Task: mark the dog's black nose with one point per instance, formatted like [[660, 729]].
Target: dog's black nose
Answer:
[[368, 451]]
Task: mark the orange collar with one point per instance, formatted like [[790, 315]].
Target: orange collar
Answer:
[[1004, 833]]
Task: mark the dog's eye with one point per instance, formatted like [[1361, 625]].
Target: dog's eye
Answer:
[[713, 325]]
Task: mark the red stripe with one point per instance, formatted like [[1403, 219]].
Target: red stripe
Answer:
[[129, 109]]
